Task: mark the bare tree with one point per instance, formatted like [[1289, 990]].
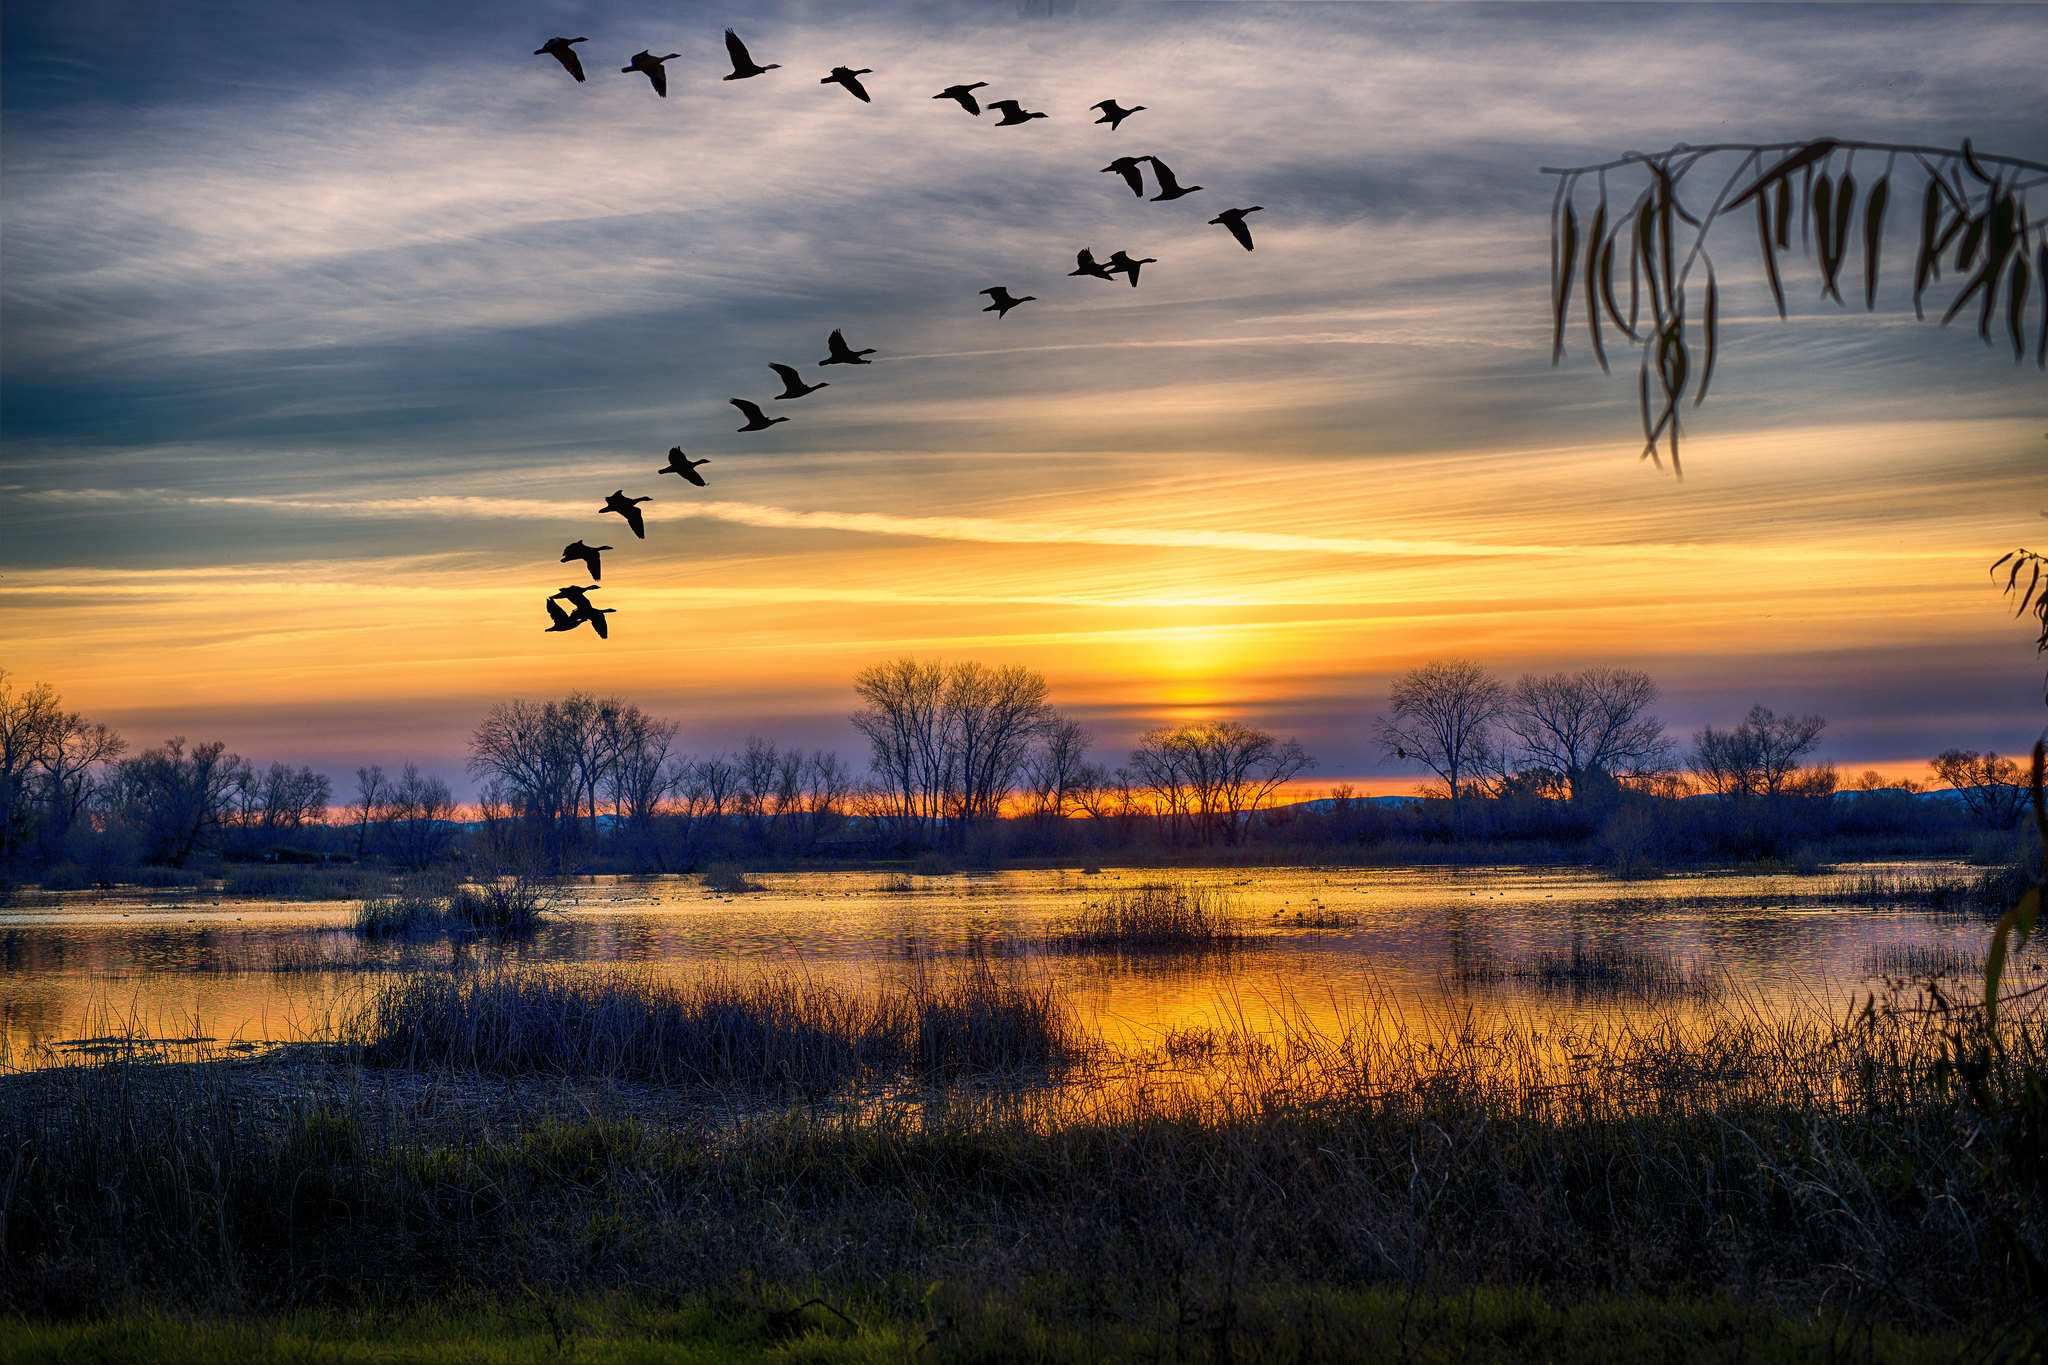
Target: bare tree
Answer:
[[526, 747], [418, 817], [1443, 716], [1760, 756], [28, 724], [995, 715], [1207, 776], [1993, 789], [904, 721], [79, 750], [177, 799], [1593, 722], [1057, 766], [370, 791], [638, 777]]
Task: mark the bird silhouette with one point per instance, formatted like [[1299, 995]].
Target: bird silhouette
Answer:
[[573, 595], [793, 385], [843, 354], [964, 94], [743, 66], [651, 66], [756, 419], [1013, 113], [1127, 167], [588, 554], [1088, 265], [1119, 263], [850, 78], [1113, 113], [1234, 220], [594, 615], [629, 509], [559, 49], [562, 619], [679, 463], [1001, 302], [1169, 188]]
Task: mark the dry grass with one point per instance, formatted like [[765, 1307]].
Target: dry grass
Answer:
[[510, 905], [1794, 1163], [1636, 974]]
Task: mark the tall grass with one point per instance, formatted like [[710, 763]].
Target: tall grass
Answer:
[[268, 881], [1793, 1163], [1991, 891], [780, 1031], [1154, 917]]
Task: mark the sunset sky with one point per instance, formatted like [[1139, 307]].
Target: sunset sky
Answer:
[[326, 327]]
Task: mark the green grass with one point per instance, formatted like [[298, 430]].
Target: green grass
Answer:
[[939, 1322]]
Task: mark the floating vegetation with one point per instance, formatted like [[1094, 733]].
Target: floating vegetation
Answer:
[[1154, 917]]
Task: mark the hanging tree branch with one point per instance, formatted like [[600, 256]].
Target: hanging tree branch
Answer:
[[2030, 597], [1973, 202]]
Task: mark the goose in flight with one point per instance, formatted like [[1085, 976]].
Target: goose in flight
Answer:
[[679, 463], [1013, 113], [756, 419], [594, 615], [1169, 188], [793, 385], [588, 554], [1234, 220], [964, 94], [629, 509], [1088, 265], [1001, 303], [1127, 167], [651, 66], [562, 619], [573, 594], [1119, 263], [743, 66], [559, 49], [850, 78], [1113, 113], [843, 354]]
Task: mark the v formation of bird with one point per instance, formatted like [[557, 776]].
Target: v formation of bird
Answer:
[[581, 610]]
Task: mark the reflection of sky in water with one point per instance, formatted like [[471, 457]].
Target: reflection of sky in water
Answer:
[[205, 967]]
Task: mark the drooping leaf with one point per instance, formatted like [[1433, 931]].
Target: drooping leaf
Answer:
[[2041, 270], [1973, 237], [1646, 251], [1873, 239], [1930, 254], [1970, 160], [1593, 253], [1607, 288], [1567, 271], [1763, 241], [1822, 201], [1784, 215], [1666, 235], [1711, 328], [2016, 307], [1799, 160]]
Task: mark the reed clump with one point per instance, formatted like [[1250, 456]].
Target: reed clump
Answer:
[[1920, 961], [1990, 891], [779, 1031], [1152, 918], [509, 905], [730, 878]]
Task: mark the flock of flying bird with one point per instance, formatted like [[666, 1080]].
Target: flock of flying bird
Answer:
[[1001, 301]]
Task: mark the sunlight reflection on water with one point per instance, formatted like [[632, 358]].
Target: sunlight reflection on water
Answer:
[[265, 971]]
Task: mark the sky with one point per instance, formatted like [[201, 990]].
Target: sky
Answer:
[[323, 328]]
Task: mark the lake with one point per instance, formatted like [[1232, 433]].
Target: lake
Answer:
[[1427, 945]]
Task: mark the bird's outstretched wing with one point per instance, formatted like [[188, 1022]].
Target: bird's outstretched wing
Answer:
[[737, 50], [636, 521]]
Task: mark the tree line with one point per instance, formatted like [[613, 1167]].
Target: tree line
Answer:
[[966, 758]]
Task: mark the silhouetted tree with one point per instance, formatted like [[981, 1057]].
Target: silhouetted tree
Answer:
[[1443, 717], [417, 816], [1760, 757], [28, 722], [1592, 723], [1206, 777], [178, 800], [948, 742], [527, 747], [1992, 789], [1057, 768]]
